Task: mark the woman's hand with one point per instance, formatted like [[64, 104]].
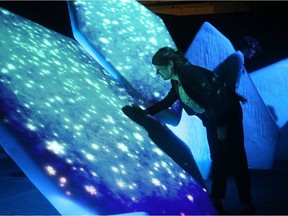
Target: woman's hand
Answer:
[[222, 133], [139, 110]]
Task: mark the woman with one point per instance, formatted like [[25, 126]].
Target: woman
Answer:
[[202, 93]]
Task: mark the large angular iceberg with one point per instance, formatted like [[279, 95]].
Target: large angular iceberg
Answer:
[[212, 50], [123, 36], [271, 83], [62, 123]]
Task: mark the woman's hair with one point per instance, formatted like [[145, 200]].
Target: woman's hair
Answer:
[[166, 54]]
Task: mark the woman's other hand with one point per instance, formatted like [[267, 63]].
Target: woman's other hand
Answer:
[[221, 132]]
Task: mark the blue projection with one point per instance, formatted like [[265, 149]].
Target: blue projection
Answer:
[[260, 130], [275, 97], [261, 133], [203, 51], [212, 50], [123, 36], [106, 28], [62, 123]]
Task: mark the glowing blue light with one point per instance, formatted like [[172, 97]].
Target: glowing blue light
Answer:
[[271, 82], [123, 36], [208, 49], [274, 95], [67, 132]]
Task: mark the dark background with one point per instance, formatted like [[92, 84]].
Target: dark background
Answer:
[[266, 21]]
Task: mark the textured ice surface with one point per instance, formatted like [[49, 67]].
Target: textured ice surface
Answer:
[[62, 123], [123, 36], [272, 84], [211, 49], [261, 132]]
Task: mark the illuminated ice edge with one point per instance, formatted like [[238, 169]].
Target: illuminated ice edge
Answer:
[[139, 78], [271, 82], [54, 195], [210, 46], [50, 156]]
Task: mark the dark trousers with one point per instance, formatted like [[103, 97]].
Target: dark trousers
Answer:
[[229, 157]]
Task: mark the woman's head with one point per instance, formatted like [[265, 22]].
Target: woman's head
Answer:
[[167, 61], [166, 54]]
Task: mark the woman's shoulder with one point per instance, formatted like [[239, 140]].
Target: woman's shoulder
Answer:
[[191, 70]]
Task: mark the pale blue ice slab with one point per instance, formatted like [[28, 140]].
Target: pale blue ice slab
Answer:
[[62, 123], [272, 84], [209, 49], [123, 36]]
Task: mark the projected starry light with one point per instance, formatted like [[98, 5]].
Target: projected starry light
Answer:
[[123, 36], [65, 110]]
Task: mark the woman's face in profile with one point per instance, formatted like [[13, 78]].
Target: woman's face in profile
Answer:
[[165, 71]]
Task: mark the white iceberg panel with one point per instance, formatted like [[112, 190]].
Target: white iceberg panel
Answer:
[[272, 84], [191, 131], [212, 50], [260, 130], [209, 47]]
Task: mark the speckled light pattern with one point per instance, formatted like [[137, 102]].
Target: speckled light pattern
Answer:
[[65, 110], [126, 34]]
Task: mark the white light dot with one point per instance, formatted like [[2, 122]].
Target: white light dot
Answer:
[[156, 182], [190, 197], [50, 170]]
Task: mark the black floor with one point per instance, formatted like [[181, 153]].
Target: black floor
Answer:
[[18, 196], [269, 191]]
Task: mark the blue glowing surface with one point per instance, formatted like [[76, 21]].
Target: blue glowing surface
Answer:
[[261, 133], [211, 49], [62, 123], [123, 36], [208, 49], [274, 95], [271, 82]]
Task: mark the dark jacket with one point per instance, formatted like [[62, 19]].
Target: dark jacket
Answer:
[[206, 89]]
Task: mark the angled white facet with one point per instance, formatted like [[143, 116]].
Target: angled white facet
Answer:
[[272, 84], [212, 50]]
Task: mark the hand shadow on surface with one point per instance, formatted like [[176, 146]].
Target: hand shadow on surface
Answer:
[[166, 140]]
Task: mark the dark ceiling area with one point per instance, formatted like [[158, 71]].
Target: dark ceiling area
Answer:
[[266, 21], [213, 7]]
